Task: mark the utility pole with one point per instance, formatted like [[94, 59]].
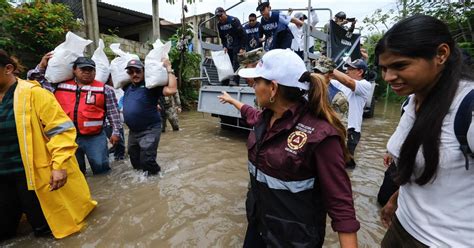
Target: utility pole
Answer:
[[156, 19], [91, 21]]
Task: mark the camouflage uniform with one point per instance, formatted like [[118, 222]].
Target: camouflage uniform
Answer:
[[338, 100], [170, 113], [250, 57]]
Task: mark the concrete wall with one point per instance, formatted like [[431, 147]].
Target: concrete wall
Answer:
[[139, 48]]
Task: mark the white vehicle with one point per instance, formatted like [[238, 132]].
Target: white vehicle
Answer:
[[211, 87]]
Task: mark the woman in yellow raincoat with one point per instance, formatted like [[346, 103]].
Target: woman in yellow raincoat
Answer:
[[46, 142]]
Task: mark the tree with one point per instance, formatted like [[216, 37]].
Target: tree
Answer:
[[34, 29], [458, 15]]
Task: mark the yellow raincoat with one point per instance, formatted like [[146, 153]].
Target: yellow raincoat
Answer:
[[47, 141]]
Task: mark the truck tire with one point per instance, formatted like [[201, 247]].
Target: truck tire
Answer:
[[369, 113]]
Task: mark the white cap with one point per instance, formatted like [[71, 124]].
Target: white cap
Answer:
[[282, 65]]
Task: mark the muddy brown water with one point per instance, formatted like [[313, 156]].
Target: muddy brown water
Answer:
[[199, 201]]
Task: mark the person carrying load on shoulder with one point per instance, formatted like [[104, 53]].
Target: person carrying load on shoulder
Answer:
[[39, 175], [142, 116], [88, 103], [275, 26]]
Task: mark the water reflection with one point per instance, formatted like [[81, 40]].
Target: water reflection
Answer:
[[199, 202]]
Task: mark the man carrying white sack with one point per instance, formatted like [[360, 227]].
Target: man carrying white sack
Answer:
[[142, 117], [88, 102]]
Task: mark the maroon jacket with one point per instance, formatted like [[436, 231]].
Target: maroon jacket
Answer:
[[301, 177]]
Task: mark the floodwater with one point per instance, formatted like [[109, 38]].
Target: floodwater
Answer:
[[199, 201]]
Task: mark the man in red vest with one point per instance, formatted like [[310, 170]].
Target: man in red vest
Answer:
[[88, 102]]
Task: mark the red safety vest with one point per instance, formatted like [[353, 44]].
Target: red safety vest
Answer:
[[84, 105]]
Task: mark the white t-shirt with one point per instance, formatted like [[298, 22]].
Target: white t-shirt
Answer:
[[439, 213], [297, 44], [357, 100]]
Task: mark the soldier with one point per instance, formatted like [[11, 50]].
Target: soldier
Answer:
[[172, 107], [338, 100], [250, 60]]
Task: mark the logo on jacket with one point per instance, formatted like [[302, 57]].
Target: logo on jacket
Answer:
[[297, 139]]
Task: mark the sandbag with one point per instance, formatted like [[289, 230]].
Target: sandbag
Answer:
[[102, 64], [120, 78], [155, 72], [223, 65], [60, 65]]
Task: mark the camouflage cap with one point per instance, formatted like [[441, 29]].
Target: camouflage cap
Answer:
[[323, 65], [250, 57]]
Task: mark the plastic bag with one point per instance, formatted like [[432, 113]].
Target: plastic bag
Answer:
[[155, 72], [120, 78], [223, 65], [60, 65], [102, 65]]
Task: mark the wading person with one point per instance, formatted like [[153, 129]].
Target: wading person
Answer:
[[88, 102], [357, 91], [39, 175], [172, 107], [233, 37], [142, 116], [296, 155], [434, 205], [275, 27]]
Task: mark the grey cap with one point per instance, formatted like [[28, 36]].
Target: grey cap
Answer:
[[219, 11], [300, 15], [82, 62], [135, 63]]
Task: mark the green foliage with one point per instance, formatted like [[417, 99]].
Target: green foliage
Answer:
[[458, 15], [35, 28], [186, 65]]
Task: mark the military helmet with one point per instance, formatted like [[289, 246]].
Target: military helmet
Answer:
[[323, 65]]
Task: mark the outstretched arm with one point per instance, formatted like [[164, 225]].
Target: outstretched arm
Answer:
[[226, 98]]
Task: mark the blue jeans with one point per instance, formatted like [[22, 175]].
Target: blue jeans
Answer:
[[119, 148], [95, 148]]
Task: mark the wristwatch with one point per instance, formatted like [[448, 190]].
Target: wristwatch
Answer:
[[170, 71]]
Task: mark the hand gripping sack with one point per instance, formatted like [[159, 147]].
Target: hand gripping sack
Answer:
[[102, 65], [223, 65], [60, 65], [120, 77], [155, 72]]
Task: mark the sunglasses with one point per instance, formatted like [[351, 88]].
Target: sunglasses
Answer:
[[131, 71]]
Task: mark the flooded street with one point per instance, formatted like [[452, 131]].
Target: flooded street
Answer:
[[199, 202]]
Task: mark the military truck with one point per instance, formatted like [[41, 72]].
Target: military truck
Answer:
[[339, 46]]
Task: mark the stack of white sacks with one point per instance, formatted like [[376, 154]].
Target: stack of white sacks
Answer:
[[60, 65]]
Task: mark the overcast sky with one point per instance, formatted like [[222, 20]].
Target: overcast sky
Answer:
[[353, 8]]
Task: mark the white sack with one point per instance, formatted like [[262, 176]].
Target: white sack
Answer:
[[102, 65], [155, 72], [60, 65], [120, 78], [223, 65]]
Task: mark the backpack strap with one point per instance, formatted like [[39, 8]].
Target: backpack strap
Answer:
[[462, 121], [404, 104]]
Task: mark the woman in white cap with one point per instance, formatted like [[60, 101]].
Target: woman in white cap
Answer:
[[296, 158]]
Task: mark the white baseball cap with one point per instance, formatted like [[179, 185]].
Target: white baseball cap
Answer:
[[282, 65]]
